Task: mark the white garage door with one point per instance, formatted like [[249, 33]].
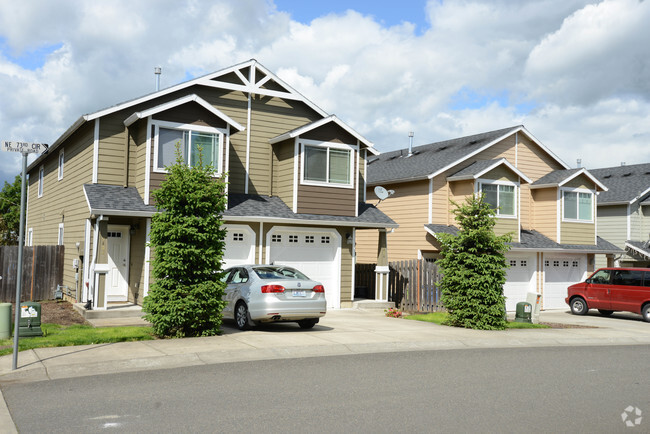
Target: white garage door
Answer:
[[240, 246], [314, 251], [520, 278], [560, 271]]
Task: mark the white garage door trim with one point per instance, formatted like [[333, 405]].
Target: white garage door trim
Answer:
[[240, 245], [561, 271], [520, 279], [330, 270]]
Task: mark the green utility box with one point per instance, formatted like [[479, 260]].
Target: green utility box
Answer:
[[524, 312], [5, 320], [30, 319]]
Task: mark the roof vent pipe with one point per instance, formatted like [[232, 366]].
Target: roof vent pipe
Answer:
[[622, 163], [579, 163], [157, 70], [410, 143]]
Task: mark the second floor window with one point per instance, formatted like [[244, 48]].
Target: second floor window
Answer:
[[500, 198], [327, 164], [577, 206], [190, 141]]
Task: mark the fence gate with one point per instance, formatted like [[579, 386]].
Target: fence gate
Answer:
[[42, 272]]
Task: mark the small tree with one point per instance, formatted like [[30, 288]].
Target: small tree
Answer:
[[473, 266], [187, 237], [10, 212]]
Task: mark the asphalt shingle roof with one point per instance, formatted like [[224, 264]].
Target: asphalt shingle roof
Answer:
[[625, 183], [476, 167], [115, 199], [555, 177], [262, 206], [427, 159], [533, 240]]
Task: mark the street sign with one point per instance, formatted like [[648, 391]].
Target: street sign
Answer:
[[24, 147]]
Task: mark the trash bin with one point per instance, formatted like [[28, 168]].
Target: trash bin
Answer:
[[524, 312], [29, 323], [5, 320]]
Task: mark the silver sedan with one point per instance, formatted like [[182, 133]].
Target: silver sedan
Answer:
[[269, 293]]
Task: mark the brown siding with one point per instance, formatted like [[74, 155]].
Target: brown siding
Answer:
[[283, 163], [191, 113], [545, 211], [63, 201], [326, 200], [111, 166], [347, 267], [363, 155]]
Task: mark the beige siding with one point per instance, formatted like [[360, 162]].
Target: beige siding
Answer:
[[63, 201], [501, 173], [581, 182], [612, 224], [645, 215], [577, 233], [283, 166], [459, 190], [347, 267], [139, 152], [504, 226], [363, 155], [532, 160], [545, 211]]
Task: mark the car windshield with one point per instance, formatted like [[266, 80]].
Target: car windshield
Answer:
[[279, 273]]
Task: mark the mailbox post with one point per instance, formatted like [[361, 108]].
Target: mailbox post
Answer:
[[24, 148]]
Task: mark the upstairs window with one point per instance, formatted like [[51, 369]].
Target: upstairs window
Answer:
[[327, 164], [577, 206], [209, 140], [501, 198]]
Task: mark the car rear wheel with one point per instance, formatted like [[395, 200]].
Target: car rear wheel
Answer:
[[308, 323], [605, 312], [241, 316], [645, 311], [579, 306]]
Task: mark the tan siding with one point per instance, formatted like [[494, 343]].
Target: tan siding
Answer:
[[577, 233], [326, 200], [581, 182], [283, 164], [504, 226], [440, 213], [111, 166], [501, 173], [366, 245], [346, 266], [459, 190], [63, 201], [139, 161], [532, 160], [545, 211], [612, 224], [363, 155]]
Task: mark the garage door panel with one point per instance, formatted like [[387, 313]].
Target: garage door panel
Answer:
[[240, 246], [519, 279], [561, 271]]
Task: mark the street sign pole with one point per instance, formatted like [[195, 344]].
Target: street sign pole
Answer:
[[24, 148], [19, 271]]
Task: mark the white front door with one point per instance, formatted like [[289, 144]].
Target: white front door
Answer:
[[117, 244]]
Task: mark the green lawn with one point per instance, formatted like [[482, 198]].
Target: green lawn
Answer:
[[439, 318], [55, 335]]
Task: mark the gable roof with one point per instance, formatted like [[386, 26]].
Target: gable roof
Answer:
[[481, 167], [180, 101], [626, 184], [296, 132], [558, 178], [115, 200], [427, 161]]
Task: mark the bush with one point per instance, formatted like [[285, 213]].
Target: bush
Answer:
[[185, 298]]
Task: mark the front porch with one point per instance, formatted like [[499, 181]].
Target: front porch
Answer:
[[115, 315]]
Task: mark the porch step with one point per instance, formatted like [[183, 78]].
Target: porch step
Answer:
[[112, 311], [372, 304]]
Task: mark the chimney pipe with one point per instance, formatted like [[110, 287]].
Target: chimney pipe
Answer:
[[157, 70], [410, 143], [579, 163]]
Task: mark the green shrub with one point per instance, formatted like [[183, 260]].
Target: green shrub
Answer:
[[187, 237]]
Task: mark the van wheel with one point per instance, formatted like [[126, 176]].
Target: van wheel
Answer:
[[645, 311], [605, 312], [579, 306]]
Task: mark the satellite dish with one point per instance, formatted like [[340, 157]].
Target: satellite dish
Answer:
[[381, 192]]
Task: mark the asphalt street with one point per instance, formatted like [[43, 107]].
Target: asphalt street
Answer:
[[550, 389]]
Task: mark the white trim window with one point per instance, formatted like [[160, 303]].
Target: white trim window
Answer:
[[41, 179], [190, 138], [501, 196], [326, 164], [61, 162], [60, 237], [577, 206]]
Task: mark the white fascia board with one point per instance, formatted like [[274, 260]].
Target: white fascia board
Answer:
[[121, 213], [584, 171], [642, 194], [639, 251], [560, 250], [302, 222], [180, 101], [498, 139], [319, 123]]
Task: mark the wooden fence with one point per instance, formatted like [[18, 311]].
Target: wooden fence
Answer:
[[42, 272], [411, 284]]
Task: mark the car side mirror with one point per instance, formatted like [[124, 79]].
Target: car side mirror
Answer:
[[588, 281]]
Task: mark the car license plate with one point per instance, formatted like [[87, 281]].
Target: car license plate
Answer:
[[299, 293]]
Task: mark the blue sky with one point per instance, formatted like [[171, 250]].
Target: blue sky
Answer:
[[442, 69]]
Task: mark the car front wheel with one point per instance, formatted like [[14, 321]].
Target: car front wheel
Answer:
[[579, 306], [645, 311], [241, 316]]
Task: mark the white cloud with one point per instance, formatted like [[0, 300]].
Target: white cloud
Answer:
[[579, 67]]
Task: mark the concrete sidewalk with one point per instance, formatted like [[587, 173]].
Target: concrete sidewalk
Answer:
[[340, 332]]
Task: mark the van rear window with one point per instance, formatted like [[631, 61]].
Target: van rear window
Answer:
[[628, 277]]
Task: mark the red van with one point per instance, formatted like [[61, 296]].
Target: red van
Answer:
[[612, 289]]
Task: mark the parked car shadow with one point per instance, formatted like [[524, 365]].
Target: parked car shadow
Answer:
[[229, 327]]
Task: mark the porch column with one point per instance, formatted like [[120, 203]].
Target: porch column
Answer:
[[610, 260], [382, 270], [101, 267]]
